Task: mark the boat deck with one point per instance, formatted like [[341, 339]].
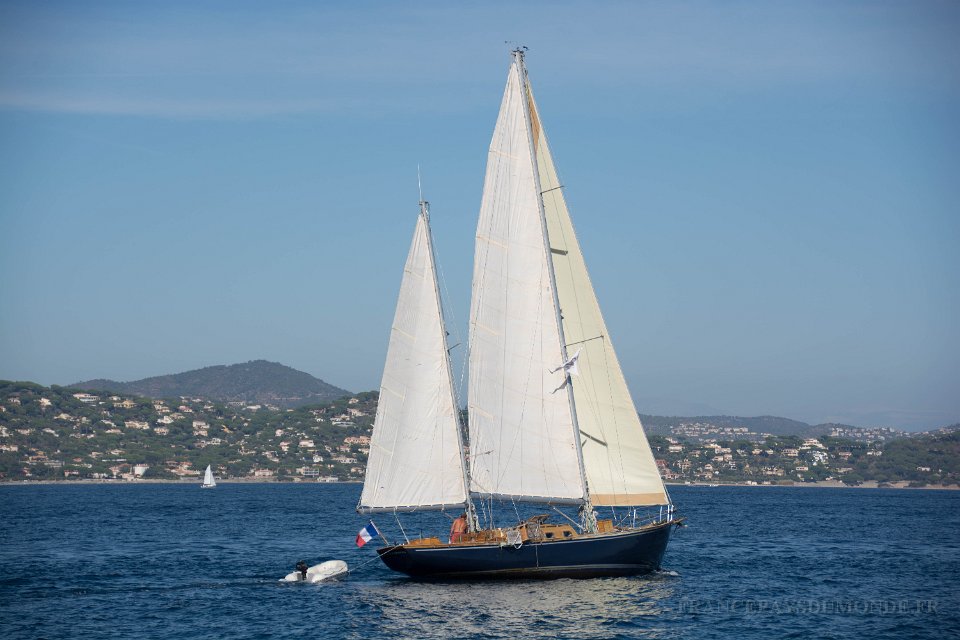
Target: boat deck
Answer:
[[531, 530]]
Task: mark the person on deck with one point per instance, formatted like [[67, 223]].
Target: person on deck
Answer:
[[458, 528], [302, 568]]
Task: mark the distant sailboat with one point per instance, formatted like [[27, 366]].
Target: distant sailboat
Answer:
[[208, 481], [551, 420]]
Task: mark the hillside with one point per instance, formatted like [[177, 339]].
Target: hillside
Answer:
[[59, 433], [928, 458], [257, 381], [760, 424], [757, 429], [56, 433]]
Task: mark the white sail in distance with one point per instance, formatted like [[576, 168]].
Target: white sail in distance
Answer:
[[522, 438], [208, 480], [619, 464], [416, 456]]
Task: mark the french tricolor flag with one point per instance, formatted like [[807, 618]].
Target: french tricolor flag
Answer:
[[367, 534]]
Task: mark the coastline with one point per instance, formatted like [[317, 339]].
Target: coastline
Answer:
[[195, 481], [870, 484], [191, 481]]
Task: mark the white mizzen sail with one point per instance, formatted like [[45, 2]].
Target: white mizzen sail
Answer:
[[619, 465], [416, 457], [208, 481], [522, 439]]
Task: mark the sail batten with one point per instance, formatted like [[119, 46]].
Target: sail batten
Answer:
[[416, 457]]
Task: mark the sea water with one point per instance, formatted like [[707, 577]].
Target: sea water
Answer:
[[173, 561]]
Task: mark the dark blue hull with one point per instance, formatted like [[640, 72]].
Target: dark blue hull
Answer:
[[621, 553]]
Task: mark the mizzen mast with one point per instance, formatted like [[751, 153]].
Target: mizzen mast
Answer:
[[472, 520]]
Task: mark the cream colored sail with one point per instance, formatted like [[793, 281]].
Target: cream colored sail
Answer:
[[522, 442], [619, 465], [415, 459]]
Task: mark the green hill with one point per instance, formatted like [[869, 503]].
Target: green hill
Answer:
[[257, 381], [760, 424], [927, 459], [56, 433]]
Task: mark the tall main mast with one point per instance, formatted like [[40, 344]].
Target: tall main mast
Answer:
[[589, 518]]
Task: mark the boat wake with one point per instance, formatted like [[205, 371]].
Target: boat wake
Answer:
[[666, 573]]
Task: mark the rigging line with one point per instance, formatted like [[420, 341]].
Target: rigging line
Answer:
[[611, 469], [559, 209], [523, 407], [551, 188], [447, 309], [374, 558], [399, 524], [594, 409], [503, 362], [530, 112], [418, 245], [616, 422], [454, 399], [419, 184], [572, 521], [599, 337], [479, 285]]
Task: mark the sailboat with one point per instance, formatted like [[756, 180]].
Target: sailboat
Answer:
[[550, 417], [208, 481]]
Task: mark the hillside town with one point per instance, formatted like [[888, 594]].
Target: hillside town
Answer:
[[56, 433], [709, 432], [59, 433], [777, 460]]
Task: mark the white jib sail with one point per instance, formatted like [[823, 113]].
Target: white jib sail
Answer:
[[415, 458], [522, 440], [208, 480], [619, 464]]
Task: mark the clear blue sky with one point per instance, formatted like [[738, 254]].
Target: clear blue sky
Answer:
[[768, 194]]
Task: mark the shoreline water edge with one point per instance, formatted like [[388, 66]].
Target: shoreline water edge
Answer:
[[195, 481]]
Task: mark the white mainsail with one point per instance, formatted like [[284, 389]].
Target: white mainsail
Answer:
[[416, 456], [522, 439], [208, 480], [521, 417], [619, 464]]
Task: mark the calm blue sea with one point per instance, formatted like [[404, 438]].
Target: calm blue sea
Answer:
[[171, 561]]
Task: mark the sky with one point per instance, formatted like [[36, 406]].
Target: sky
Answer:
[[767, 194]]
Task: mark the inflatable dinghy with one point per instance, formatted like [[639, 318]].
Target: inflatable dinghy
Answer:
[[329, 570]]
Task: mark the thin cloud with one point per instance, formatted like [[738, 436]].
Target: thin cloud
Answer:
[[193, 63], [166, 108]]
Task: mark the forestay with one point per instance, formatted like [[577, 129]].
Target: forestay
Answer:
[[415, 459], [522, 437]]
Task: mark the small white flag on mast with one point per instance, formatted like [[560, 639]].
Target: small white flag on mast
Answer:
[[570, 366]]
